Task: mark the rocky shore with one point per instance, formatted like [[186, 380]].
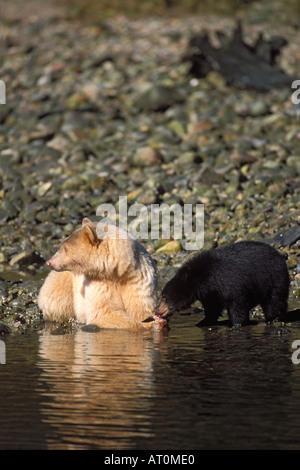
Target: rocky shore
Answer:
[[102, 110]]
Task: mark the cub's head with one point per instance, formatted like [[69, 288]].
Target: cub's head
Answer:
[[175, 295]]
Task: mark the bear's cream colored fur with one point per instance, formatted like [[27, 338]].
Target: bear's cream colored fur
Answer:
[[101, 276]]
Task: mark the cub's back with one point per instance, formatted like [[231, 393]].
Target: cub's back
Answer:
[[247, 258]]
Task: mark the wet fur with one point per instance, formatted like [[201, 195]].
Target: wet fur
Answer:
[[104, 281]]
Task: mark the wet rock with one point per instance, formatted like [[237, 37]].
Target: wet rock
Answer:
[[170, 247], [27, 258], [96, 180], [278, 331], [208, 176], [286, 237], [252, 109], [294, 162], [158, 97], [147, 156], [3, 258], [8, 210], [149, 196], [60, 331], [4, 329], [72, 182], [186, 158], [30, 211], [90, 328], [3, 291]]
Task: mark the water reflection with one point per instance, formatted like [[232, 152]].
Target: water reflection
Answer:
[[100, 387], [195, 388], [231, 389]]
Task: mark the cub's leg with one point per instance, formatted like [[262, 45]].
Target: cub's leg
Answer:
[[238, 314], [56, 296], [275, 308], [212, 311]]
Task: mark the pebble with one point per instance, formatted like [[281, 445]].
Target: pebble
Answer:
[[294, 162], [170, 247], [91, 328], [147, 156], [158, 97], [207, 175]]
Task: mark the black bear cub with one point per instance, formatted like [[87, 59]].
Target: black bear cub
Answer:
[[235, 277]]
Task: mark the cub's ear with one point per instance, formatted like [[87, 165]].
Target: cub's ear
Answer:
[[85, 221], [183, 274], [91, 235]]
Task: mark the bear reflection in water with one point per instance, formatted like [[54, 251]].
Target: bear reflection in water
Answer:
[[98, 386]]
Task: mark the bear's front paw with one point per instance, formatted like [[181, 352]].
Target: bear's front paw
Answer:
[[159, 323], [155, 322]]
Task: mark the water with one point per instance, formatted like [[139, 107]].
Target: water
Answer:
[[209, 388]]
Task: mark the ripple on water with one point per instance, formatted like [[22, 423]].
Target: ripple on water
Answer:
[[194, 388]]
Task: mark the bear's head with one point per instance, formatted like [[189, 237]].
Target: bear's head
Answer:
[[176, 295], [95, 250]]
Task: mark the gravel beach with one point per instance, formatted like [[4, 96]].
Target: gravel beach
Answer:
[[103, 109]]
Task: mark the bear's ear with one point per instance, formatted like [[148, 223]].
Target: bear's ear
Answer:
[[85, 221], [91, 235], [184, 273]]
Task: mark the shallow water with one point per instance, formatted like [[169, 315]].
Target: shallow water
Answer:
[[192, 388]]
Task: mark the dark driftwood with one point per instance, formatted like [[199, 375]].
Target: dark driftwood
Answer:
[[285, 237], [242, 65]]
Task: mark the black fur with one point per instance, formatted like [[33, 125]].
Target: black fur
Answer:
[[235, 277]]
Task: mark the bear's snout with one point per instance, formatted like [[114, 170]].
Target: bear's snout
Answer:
[[162, 309], [53, 264], [49, 263]]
